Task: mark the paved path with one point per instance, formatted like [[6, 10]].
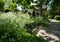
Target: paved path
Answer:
[[52, 33]]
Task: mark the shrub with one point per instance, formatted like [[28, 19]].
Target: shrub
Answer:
[[51, 16], [13, 6], [57, 17], [42, 21], [1, 5], [36, 22], [12, 29], [45, 23]]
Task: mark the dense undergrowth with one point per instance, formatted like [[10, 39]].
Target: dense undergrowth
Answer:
[[13, 27]]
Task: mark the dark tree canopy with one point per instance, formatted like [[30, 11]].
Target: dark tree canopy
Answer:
[[55, 7]]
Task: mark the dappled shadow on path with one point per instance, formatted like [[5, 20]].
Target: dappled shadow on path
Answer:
[[54, 28], [51, 33]]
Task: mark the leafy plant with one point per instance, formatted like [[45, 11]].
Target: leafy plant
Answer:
[[12, 28], [57, 17], [13, 6], [42, 21], [1, 5]]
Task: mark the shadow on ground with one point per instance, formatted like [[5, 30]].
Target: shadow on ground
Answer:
[[50, 34], [54, 28]]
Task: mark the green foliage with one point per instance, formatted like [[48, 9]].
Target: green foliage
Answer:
[[49, 17], [13, 6], [57, 17], [37, 20], [55, 7], [19, 1], [42, 21], [12, 28], [14, 1], [45, 22], [31, 7], [1, 5], [25, 3]]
